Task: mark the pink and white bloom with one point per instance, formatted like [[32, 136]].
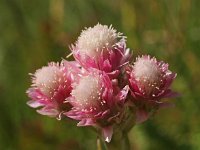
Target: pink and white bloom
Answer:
[[52, 84], [149, 81], [95, 103], [101, 47], [102, 88]]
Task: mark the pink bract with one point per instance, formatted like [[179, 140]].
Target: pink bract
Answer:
[[95, 104], [52, 84]]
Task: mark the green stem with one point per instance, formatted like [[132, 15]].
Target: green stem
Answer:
[[101, 145], [119, 141]]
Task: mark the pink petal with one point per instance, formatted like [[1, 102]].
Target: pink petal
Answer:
[[170, 94], [166, 105], [86, 122], [121, 96], [141, 116], [48, 112], [107, 133], [113, 74], [34, 104], [107, 66]]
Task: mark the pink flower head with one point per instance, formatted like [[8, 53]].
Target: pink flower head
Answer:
[[101, 47], [51, 86], [149, 81], [94, 102]]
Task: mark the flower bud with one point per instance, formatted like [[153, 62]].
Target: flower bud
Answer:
[[51, 86], [95, 103], [101, 47], [150, 78]]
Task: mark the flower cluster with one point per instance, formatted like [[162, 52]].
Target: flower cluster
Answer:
[[103, 87]]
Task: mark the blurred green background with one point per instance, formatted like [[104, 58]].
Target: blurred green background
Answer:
[[34, 32]]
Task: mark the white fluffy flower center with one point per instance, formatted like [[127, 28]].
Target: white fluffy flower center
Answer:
[[148, 75], [48, 79], [93, 41], [87, 92]]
